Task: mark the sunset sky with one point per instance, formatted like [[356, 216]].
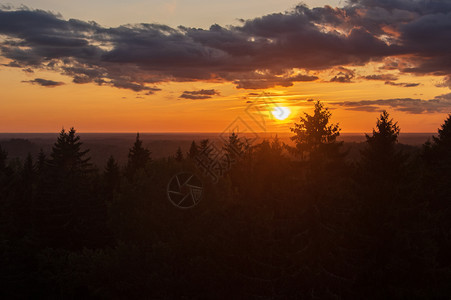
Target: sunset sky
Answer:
[[195, 66]]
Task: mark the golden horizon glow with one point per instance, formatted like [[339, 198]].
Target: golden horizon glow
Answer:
[[281, 113], [92, 108]]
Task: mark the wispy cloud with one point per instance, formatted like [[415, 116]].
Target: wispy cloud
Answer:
[[384, 77], [402, 84], [199, 95], [440, 104], [44, 82]]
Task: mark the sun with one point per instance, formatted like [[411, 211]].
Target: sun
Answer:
[[281, 112]]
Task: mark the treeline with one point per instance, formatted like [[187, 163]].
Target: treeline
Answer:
[[282, 222]]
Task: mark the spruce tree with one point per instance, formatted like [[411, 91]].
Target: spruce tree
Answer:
[[437, 190], [235, 147], [67, 209], [204, 145], [193, 150], [387, 206], [179, 155], [315, 137], [23, 198], [112, 174], [138, 157], [67, 157], [380, 157], [42, 162], [3, 158]]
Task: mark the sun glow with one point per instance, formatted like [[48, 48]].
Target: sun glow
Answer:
[[281, 112]]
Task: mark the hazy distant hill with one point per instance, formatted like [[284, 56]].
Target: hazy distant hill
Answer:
[[102, 145]]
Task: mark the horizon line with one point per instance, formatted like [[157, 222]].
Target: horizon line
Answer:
[[189, 132]]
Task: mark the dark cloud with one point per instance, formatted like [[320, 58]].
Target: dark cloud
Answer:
[[264, 81], [45, 82], [410, 36], [385, 77], [344, 75], [446, 82], [136, 87], [199, 95], [341, 77], [402, 84], [440, 104]]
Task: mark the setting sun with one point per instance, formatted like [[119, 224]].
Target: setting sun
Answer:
[[281, 112]]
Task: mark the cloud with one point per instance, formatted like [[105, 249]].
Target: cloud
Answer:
[[45, 82], [402, 84], [344, 75], [199, 95], [409, 36], [446, 82], [264, 81], [343, 78], [123, 84], [385, 77], [440, 104]]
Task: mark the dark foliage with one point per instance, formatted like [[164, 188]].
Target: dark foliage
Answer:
[[275, 225]]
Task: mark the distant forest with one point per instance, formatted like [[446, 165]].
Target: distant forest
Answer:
[[280, 221]]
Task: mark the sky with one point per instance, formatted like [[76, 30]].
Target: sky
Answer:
[[202, 66]]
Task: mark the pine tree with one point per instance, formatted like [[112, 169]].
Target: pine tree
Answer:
[[444, 135], [179, 155], [437, 190], [440, 148], [138, 157], [316, 137], [29, 169], [67, 210], [24, 196], [67, 158], [112, 174], [276, 146], [438, 153], [193, 150], [235, 147], [42, 162], [386, 207], [6, 174], [380, 157], [3, 158], [204, 145]]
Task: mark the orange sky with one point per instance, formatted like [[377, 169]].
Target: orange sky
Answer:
[[90, 108], [342, 52]]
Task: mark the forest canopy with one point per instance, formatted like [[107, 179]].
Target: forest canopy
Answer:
[[281, 221]]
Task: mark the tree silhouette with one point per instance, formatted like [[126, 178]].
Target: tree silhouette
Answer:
[[315, 137], [112, 175], [67, 158], [138, 157], [193, 150], [66, 211], [3, 157], [235, 147], [444, 135], [179, 155], [437, 178], [203, 145], [380, 157], [390, 213], [378, 228], [438, 153]]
